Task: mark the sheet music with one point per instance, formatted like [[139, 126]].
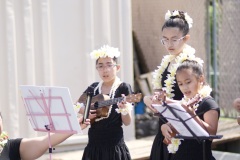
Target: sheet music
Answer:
[[177, 124], [50, 107]]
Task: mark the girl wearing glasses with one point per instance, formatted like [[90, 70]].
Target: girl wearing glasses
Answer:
[[105, 135], [175, 34]]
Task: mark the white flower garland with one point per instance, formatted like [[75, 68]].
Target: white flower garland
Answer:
[[188, 19], [114, 87], [124, 111], [187, 53], [174, 145], [3, 140], [205, 91], [105, 51], [77, 108]]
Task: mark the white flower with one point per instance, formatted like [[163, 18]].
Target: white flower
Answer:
[[175, 13], [205, 91], [174, 145], [188, 19], [124, 111], [77, 107], [199, 60], [168, 15], [189, 50], [105, 51], [3, 140]]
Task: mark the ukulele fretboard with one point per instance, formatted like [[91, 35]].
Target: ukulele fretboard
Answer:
[[110, 102]]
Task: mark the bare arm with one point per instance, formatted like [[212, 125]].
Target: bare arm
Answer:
[[210, 123], [33, 148]]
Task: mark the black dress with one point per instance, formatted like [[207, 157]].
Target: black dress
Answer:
[[159, 150], [106, 141], [191, 149], [11, 150]]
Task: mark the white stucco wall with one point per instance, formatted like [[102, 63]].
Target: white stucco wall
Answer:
[[47, 42]]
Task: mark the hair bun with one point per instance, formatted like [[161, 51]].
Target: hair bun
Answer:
[[179, 14]]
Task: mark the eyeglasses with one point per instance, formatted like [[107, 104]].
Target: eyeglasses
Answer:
[[174, 42], [108, 66]]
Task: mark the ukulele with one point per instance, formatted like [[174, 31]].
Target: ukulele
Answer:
[[190, 103], [101, 102]]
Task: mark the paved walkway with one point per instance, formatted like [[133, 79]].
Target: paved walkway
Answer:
[[140, 148]]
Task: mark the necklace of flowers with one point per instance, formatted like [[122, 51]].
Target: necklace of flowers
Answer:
[[114, 87], [205, 91], [187, 53], [3, 140]]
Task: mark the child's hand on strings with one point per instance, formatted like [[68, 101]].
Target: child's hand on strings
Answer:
[[189, 109], [148, 101], [124, 107], [123, 104], [158, 98]]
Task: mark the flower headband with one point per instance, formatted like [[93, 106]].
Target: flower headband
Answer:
[[188, 19], [105, 51]]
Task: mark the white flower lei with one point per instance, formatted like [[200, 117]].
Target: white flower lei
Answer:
[[3, 140], [105, 51], [188, 19], [174, 145], [124, 111], [114, 87], [187, 53]]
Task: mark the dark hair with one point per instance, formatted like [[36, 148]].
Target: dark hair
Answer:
[[114, 59], [190, 64], [178, 21]]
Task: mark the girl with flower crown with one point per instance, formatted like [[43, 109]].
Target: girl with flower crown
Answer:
[[204, 110], [29, 148], [175, 34], [106, 141]]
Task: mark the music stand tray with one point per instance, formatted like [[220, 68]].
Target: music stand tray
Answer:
[[184, 123], [50, 109]]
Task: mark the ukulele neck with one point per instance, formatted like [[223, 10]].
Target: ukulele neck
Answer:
[[110, 102]]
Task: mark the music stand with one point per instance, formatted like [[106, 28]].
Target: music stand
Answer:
[[184, 123], [50, 109]]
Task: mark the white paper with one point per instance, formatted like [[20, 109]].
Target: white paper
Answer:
[[177, 124], [50, 106]]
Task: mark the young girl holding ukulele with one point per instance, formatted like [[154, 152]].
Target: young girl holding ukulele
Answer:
[[175, 34], [205, 112], [106, 141]]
